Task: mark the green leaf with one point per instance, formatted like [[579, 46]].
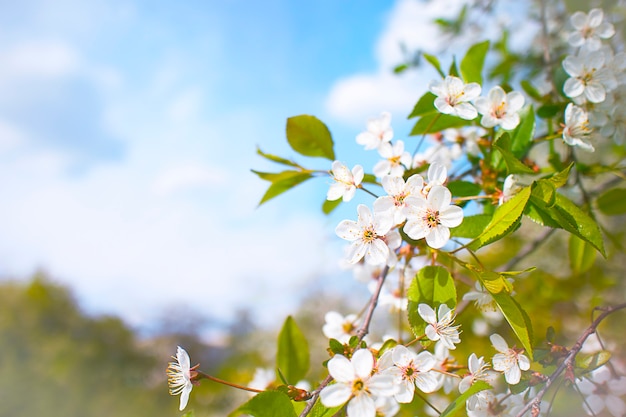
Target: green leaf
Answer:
[[309, 136], [281, 182], [517, 319], [531, 90], [425, 105], [328, 206], [581, 255], [398, 69], [495, 283], [560, 178], [277, 159], [434, 61], [436, 122], [432, 285], [458, 405], [505, 219], [473, 62], [576, 221], [454, 70], [548, 111], [540, 215], [472, 226], [463, 188], [189, 414], [292, 358], [267, 404], [612, 202], [513, 164], [544, 192], [592, 361], [522, 136]]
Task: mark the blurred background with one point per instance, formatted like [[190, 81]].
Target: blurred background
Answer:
[[129, 221]]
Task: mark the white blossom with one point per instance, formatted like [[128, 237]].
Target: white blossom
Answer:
[[356, 385], [478, 371], [440, 325], [367, 236], [590, 29], [179, 378], [453, 97], [509, 188], [510, 361], [432, 217], [346, 181], [589, 78], [577, 131], [378, 131], [603, 390], [395, 160], [500, 108], [397, 191], [409, 370], [339, 327], [481, 298]]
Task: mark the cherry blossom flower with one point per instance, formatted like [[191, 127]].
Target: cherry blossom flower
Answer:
[[409, 370], [340, 327], [481, 298], [356, 385], [589, 78], [590, 29], [395, 160], [442, 362], [439, 153], [453, 97], [367, 236], [378, 131], [346, 182], [478, 371], [440, 326], [398, 190], [432, 217], [602, 390], [511, 361], [180, 376], [576, 130], [467, 137], [500, 108], [509, 188]]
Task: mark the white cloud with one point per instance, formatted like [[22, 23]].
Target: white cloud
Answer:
[[189, 175], [40, 58], [356, 98]]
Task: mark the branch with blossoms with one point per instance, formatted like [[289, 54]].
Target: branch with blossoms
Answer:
[[434, 230]]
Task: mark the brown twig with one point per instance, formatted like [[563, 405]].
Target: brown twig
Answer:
[[535, 403], [361, 333]]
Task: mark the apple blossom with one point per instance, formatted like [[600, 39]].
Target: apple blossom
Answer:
[[576, 130]]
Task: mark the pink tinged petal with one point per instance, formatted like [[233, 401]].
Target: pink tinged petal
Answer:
[[184, 397], [510, 121], [595, 92], [335, 395], [574, 66], [615, 405], [427, 313], [341, 369], [437, 174], [382, 385], [426, 382], [515, 101], [377, 252], [573, 87], [499, 343], [513, 375], [439, 197], [348, 230], [443, 106], [438, 237], [595, 402], [362, 406], [465, 111], [405, 393], [451, 216], [595, 17], [579, 20], [357, 174], [523, 362], [431, 333], [472, 90], [363, 363]]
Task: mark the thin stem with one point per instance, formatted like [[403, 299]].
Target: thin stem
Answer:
[[230, 384], [528, 249], [368, 191], [569, 359], [427, 402]]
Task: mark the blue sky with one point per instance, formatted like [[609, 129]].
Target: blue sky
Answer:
[[128, 130]]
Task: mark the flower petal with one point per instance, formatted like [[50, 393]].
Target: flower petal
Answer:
[[363, 363], [335, 395]]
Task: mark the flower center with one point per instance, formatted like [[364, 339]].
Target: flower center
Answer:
[[431, 218], [500, 110], [369, 235], [358, 386]]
